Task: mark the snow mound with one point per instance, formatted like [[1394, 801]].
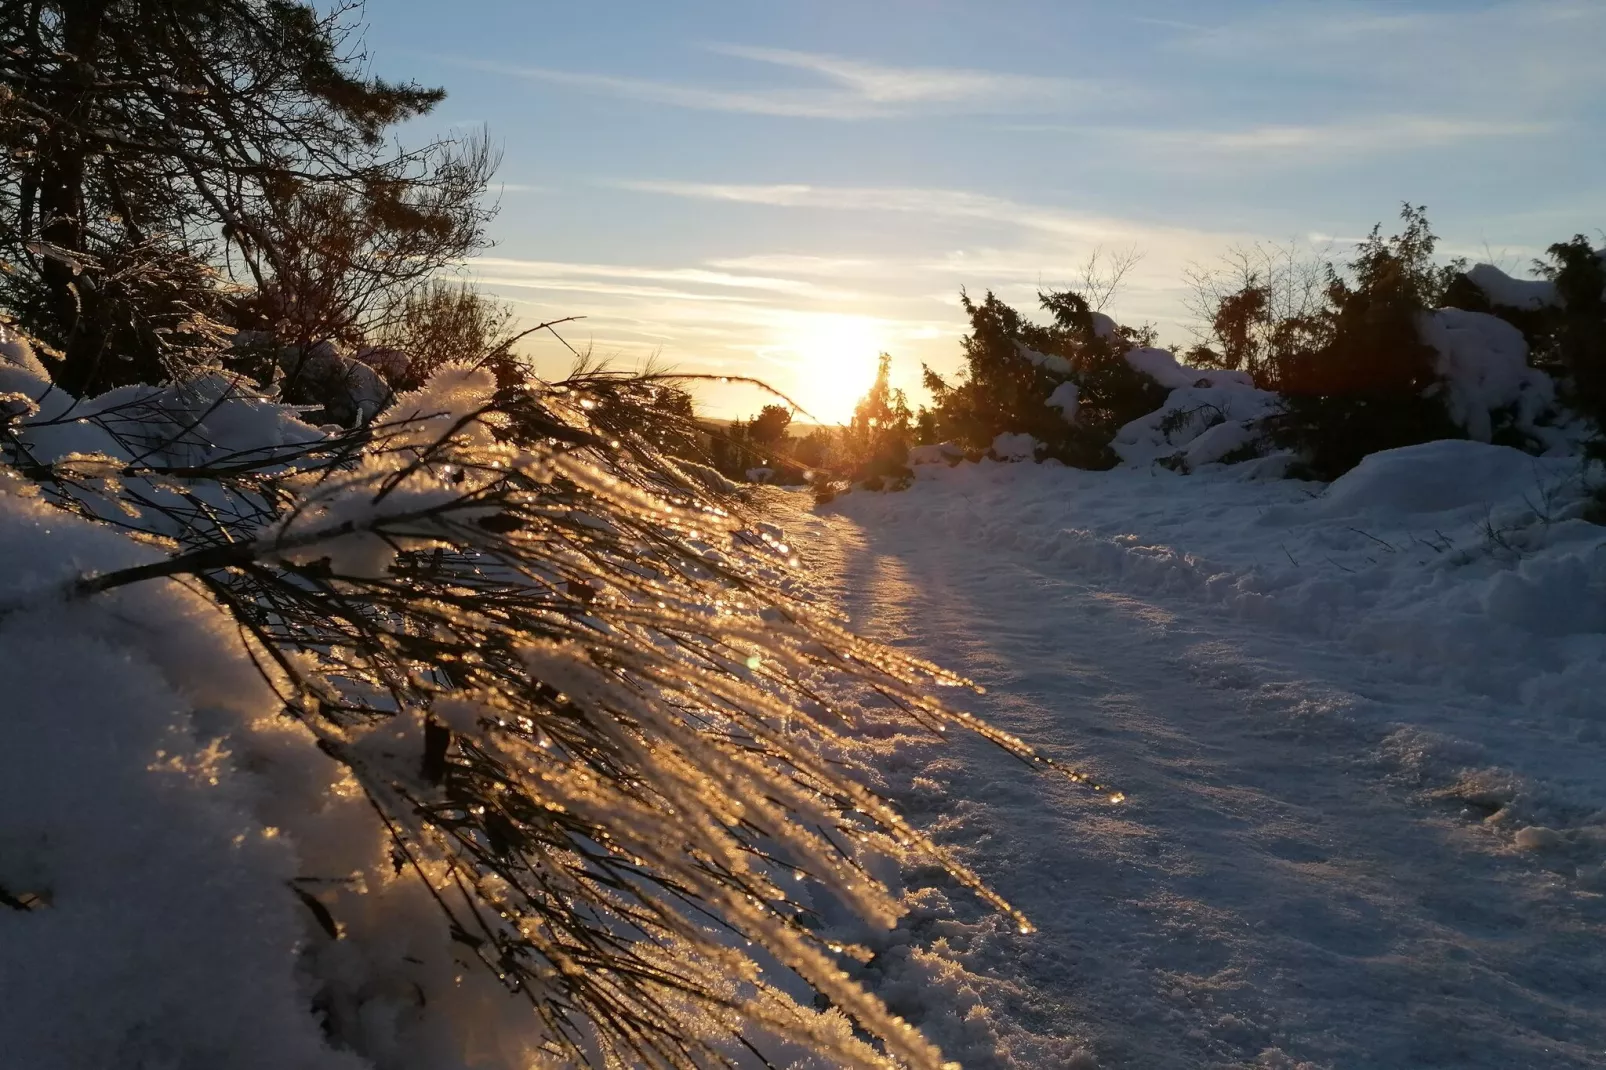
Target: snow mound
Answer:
[[1484, 363], [1047, 361], [350, 391], [1014, 447], [1105, 327], [1189, 413], [938, 453], [190, 425], [1065, 398], [164, 934], [1435, 477], [1162, 366], [1501, 289], [393, 364], [1219, 441]]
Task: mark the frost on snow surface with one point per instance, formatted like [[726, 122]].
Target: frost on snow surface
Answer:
[[1359, 734]]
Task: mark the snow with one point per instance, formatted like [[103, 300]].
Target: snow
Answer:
[[17, 352], [1047, 361], [937, 453], [1065, 398], [1502, 289], [198, 423], [1189, 413], [1161, 365], [350, 391], [1219, 441], [1484, 363], [1358, 730], [187, 880], [1437, 477], [1430, 555], [170, 943], [1013, 446]]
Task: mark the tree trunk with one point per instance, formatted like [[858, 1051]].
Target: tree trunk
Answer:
[[65, 153]]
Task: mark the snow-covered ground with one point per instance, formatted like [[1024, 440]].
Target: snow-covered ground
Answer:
[[1359, 734]]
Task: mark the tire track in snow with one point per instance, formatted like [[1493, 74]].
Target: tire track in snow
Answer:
[[1268, 896]]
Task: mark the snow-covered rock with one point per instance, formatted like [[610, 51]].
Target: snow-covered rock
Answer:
[[394, 364]]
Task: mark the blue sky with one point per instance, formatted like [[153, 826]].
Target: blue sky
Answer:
[[782, 189]]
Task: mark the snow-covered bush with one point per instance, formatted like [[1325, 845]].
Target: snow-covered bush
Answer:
[[470, 737], [1487, 385], [949, 453], [1576, 335], [1361, 379], [1198, 425], [1560, 316], [1013, 446], [1067, 385]]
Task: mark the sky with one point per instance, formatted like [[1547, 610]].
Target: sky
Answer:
[[784, 190]]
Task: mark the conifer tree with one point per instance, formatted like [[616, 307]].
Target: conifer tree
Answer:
[[151, 150]]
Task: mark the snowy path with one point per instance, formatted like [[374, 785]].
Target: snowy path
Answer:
[[1277, 891]]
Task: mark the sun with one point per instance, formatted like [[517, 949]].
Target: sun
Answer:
[[834, 362]]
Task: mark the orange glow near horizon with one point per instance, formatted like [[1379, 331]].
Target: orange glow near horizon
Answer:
[[833, 359]]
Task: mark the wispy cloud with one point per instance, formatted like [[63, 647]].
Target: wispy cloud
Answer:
[[851, 90], [1511, 55], [804, 264], [561, 275], [885, 84], [1384, 133], [940, 203]]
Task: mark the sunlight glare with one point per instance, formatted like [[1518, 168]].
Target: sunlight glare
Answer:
[[834, 362]]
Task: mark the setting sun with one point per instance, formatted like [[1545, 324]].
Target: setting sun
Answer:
[[833, 360]]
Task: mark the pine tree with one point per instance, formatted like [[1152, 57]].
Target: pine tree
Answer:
[[876, 441], [150, 149], [1575, 340]]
